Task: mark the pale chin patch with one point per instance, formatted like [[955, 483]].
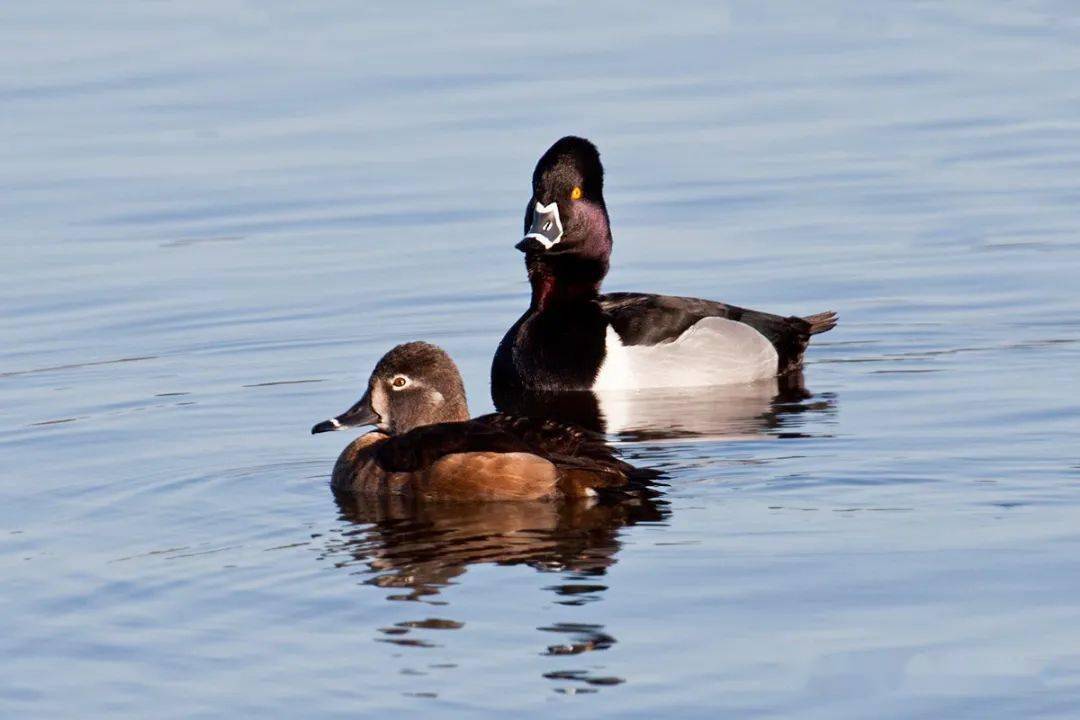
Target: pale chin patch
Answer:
[[550, 215], [378, 402]]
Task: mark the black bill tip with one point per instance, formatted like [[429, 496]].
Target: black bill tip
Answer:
[[530, 244], [326, 426]]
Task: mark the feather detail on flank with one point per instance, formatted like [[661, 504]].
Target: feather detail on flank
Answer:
[[712, 351]]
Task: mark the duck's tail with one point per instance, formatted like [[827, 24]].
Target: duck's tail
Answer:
[[821, 322]]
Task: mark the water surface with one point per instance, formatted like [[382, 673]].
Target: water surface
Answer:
[[218, 216]]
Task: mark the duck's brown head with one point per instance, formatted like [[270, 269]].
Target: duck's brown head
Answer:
[[412, 385]]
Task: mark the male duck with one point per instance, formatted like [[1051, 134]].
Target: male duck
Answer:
[[425, 445], [574, 338]]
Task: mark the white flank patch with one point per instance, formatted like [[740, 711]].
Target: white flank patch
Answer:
[[713, 351]]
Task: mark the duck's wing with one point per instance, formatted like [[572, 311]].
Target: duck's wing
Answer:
[[554, 439], [545, 436], [585, 461], [646, 320], [467, 461], [422, 447], [514, 447], [495, 433]]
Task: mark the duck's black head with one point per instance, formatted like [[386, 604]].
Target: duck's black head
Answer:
[[566, 214], [412, 385]]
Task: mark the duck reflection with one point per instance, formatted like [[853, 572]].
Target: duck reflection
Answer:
[[419, 548], [767, 408]]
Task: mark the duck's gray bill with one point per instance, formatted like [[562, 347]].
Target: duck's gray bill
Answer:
[[546, 229], [359, 414]]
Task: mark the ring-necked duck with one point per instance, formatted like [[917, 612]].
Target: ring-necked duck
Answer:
[[574, 338], [425, 445]]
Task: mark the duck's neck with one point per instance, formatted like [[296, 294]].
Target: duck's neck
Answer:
[[562, 279]]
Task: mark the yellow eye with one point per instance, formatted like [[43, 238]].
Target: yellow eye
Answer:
[[575, 194], [399, 381]]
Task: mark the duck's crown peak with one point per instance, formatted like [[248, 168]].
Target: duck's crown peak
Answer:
[[417, 357], [575, 157]]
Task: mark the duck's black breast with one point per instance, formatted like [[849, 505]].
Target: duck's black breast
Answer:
[[558, 348]]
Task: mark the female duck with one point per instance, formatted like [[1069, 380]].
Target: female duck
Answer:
[[425, 445], [574, 338]]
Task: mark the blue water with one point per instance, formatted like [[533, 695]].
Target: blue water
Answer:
[[217, 216]]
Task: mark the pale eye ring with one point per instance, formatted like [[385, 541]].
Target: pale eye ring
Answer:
[[399, 382]]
